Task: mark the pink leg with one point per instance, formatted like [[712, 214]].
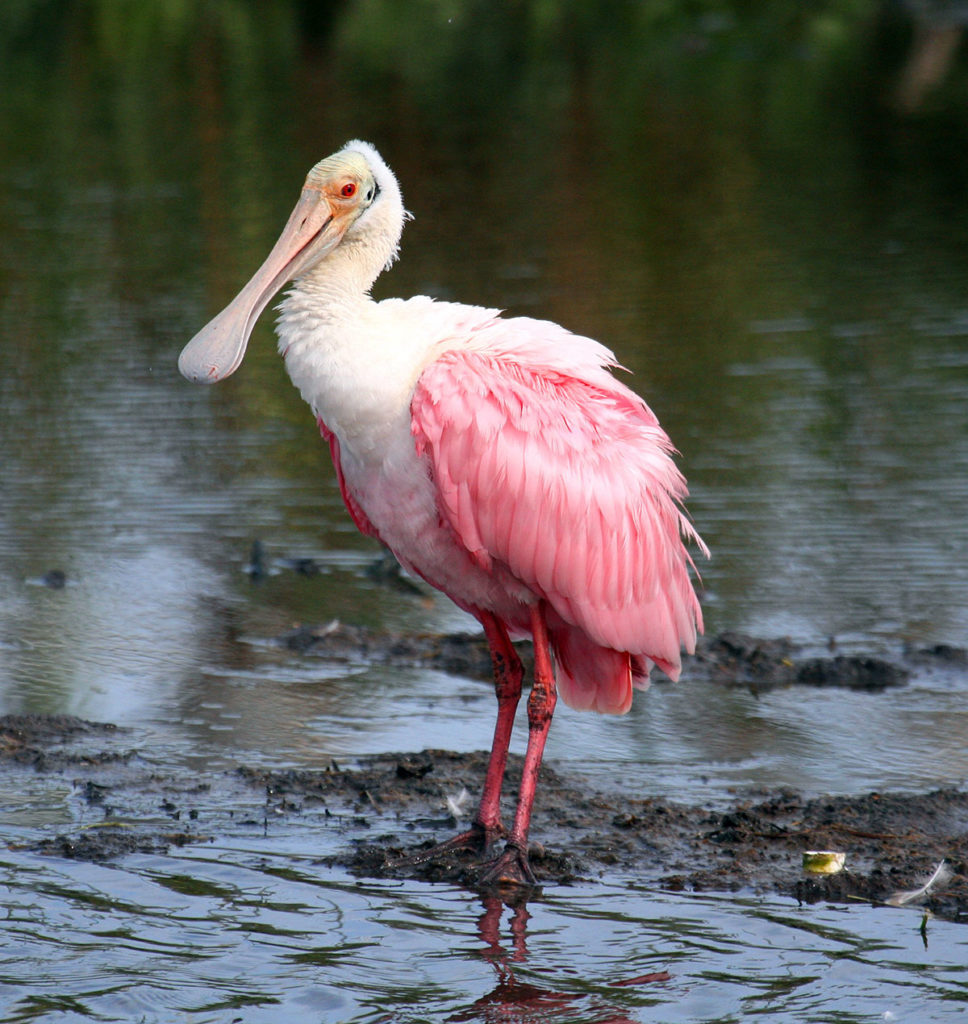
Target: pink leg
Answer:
[[486, 828], [512, 865], [508, 674]]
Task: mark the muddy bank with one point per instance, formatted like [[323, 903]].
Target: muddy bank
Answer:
[[729, 659], [378, 809]]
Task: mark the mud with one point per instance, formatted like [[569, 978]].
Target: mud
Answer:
[[730, 659], [379, 810]]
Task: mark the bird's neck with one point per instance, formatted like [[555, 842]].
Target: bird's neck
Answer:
[[315, 324], [338, 284]]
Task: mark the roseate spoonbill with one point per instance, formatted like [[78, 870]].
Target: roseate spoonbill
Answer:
[[499, 459]]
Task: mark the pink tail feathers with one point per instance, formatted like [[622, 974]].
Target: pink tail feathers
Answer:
[[595, 678]]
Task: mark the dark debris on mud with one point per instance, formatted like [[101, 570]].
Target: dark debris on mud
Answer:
[[387, 807]]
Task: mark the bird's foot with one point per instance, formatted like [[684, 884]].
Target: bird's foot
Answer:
[[510, 868], [477, 839]]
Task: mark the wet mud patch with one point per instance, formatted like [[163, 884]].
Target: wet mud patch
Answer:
[[55, 742], [379, 810], [729, 659], [110, 841], [892, 842]]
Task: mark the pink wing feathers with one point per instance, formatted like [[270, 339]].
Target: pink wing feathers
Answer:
[[563, 475]]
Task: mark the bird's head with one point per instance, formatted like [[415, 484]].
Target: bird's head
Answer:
[[350, 200]]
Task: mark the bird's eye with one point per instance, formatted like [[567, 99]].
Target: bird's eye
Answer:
[[348, 190]]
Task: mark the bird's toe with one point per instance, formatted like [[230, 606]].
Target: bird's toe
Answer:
[[477, 839], [511, 867]]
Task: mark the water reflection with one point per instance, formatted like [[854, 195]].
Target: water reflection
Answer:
[[517, 1000]]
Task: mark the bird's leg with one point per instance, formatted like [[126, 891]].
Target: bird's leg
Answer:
[[512, 865], [486, 827], [508, 674]]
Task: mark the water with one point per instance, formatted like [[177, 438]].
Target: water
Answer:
[[775, 255], [255, 933]]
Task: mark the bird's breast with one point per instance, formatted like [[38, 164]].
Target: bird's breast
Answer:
[[362, 397]]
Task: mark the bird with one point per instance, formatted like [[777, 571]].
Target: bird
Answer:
[[499, 458]]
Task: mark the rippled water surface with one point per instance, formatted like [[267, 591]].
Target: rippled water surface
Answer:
[[255, 933], [771, 246]]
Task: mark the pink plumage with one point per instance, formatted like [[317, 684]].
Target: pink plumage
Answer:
[[561, 474], [499, 459]]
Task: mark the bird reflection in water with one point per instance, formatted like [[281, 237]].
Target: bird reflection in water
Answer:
[[517, 1001]]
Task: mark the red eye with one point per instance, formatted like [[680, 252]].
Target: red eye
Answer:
[[348, 190]]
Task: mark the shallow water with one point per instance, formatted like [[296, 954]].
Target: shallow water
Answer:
[[255, 934], [787, 282]]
